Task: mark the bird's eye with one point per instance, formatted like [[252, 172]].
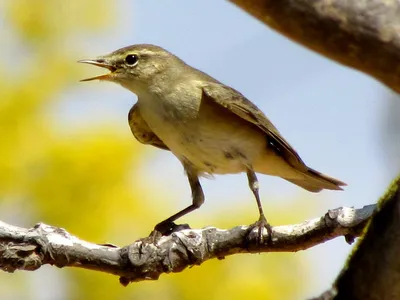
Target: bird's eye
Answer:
[[131, 59]]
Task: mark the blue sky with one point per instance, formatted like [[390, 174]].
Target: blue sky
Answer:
[[332, 115]]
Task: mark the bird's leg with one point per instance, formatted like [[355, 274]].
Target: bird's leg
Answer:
[[262, 221], [168, 226]]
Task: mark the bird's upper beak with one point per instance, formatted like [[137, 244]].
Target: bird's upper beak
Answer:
[[100, 62]]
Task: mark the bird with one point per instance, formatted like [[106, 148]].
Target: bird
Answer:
[[210, 127]]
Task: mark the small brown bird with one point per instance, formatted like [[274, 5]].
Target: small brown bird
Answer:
[[210, 127]]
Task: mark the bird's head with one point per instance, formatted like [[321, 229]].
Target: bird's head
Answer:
[[135, 67]]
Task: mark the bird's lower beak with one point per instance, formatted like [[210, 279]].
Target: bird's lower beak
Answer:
[[100, 62]]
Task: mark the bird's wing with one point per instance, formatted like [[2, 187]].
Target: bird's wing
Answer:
[[243, 108], [142, 131]]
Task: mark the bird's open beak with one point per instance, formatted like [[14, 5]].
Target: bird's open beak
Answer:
[[100, 62]]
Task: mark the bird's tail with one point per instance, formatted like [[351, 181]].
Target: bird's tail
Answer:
[[315, 181]]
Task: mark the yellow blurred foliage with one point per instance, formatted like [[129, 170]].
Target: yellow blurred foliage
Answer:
[[44, 21], [86, 181]]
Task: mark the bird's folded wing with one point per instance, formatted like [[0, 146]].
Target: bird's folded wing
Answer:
[[142, 131], [243, 108]]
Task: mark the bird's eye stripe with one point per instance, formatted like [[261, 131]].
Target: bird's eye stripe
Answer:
[[131, 59]]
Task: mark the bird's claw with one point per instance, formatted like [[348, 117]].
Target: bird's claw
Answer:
[[166, 228], [258, 235]]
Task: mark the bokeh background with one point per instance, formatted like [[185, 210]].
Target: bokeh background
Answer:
[[67, 156]]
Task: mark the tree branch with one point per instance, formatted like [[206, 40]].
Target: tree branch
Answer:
[[360, 34], [373, 269], [29, 249]]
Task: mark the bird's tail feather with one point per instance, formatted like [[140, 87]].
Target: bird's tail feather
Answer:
[[315, 181]]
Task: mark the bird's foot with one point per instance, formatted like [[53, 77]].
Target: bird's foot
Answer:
[[166, 228], [257, 231]]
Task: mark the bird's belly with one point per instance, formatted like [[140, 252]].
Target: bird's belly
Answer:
[[212, 156], [210, 138], [215, 147]]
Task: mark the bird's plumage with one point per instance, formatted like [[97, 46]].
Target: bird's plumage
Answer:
[[141, 131], [235, 103], [210, 127]]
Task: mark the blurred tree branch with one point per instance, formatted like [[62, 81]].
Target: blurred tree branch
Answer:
[[29, 249], [363, 35]]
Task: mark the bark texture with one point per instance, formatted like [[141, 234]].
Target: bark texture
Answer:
[[362, 34], [29, 249]]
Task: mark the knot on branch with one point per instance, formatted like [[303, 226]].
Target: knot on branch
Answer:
[[174, 253]]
